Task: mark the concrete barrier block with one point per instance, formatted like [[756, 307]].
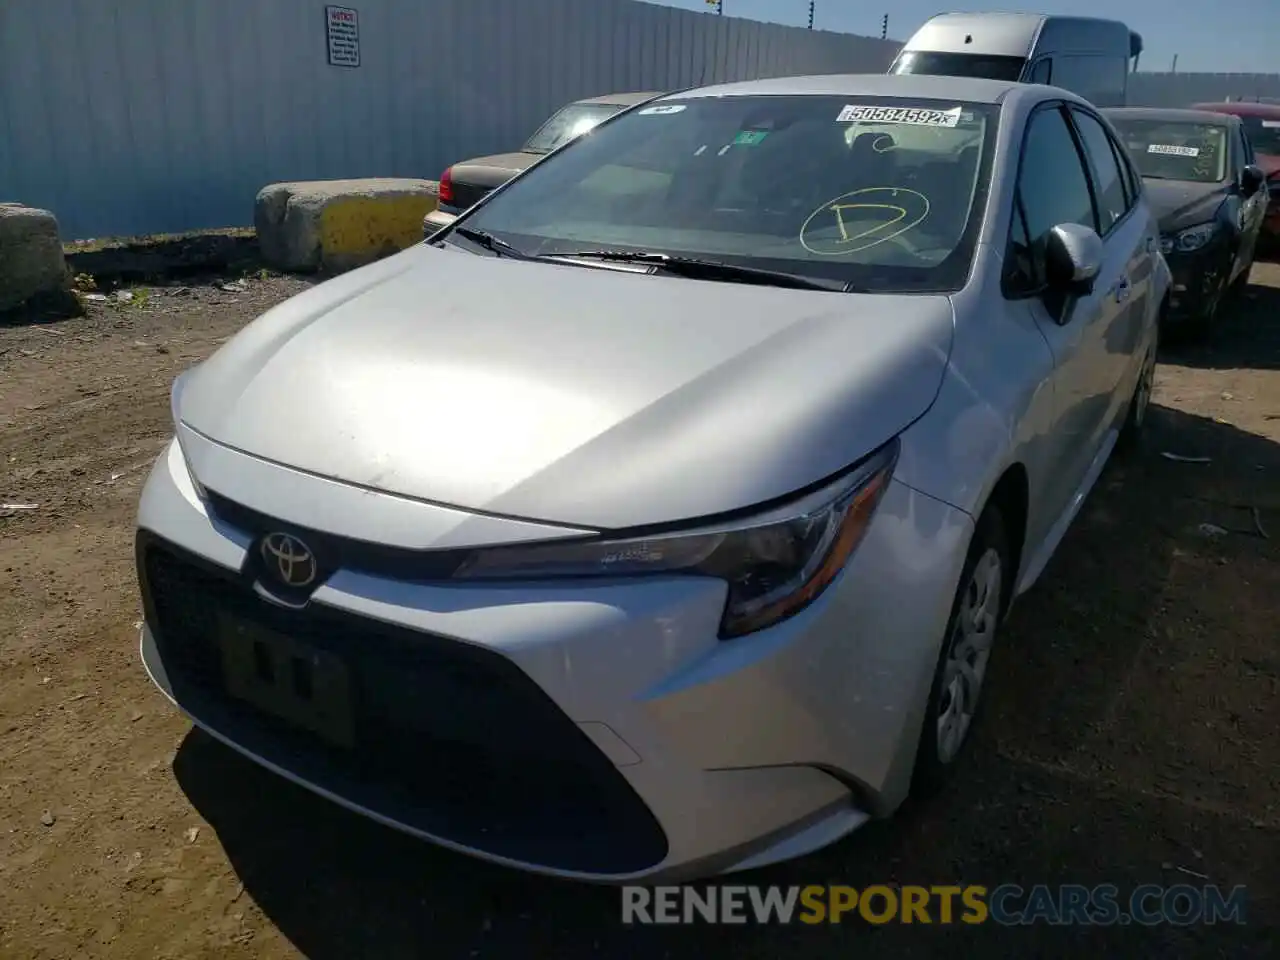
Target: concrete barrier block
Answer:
[[31, 262], [335, 225]]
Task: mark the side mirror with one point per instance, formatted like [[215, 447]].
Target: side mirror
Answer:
[[1072, 259], [1251, 180]]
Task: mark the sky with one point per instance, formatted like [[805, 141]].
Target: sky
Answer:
[[1218, 36]]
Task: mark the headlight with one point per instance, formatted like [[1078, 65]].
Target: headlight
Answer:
[[1190, 239], [775, 565], [175, 395], [175, 403]]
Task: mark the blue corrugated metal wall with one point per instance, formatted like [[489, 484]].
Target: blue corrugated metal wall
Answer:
[[145, 116]]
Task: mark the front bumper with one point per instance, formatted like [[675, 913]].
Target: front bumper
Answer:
[[598, 731], [1197, 278]]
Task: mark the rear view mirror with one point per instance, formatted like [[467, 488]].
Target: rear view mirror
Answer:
[[1072, 258], [1251, 180]]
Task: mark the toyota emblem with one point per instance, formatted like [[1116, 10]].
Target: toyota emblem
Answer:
[[289, 559]]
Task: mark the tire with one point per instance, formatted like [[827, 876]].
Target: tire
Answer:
[[985, 583], [1135, 418]]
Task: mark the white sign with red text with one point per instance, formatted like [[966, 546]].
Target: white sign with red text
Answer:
[[342, 25]]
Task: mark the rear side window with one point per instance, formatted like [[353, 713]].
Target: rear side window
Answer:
[[1108, 182], [1133, 184]]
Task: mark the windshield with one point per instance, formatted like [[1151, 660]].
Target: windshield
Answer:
[[879, 193], [1263, 134], [573, 121], [959, 65], [1165, 150]]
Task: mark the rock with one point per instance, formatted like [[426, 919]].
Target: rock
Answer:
[[47, 818], [335, 225], [31, 263]]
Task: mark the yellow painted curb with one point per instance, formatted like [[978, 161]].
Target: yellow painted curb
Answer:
[[361, 229]]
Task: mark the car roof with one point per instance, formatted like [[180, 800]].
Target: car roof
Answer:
[[623, 99], [1169, 114], [1239, 108], [919, 86]]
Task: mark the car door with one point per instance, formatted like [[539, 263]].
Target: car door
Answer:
[[1053, 188], [1130, 239], [1253, 210]]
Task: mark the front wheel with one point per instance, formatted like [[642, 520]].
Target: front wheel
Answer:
[[955, 695]]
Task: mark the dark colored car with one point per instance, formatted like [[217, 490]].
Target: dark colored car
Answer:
[[1201, 181], [1262, 127], [465, 184]]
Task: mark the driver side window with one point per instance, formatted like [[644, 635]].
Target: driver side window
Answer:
[[1053, 188], [1041, 71]]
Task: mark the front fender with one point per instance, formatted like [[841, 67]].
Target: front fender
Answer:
[[993, 410]]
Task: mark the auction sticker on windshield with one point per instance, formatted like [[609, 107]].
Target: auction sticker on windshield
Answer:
[[662, 110], [915, 116], [1173, 150]]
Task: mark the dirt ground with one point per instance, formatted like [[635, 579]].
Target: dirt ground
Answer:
[[1131, 735]]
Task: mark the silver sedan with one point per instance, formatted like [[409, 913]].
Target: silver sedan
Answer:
[[658, 517]]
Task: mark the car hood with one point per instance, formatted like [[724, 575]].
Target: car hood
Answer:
[[1181, 203], [586, 397], [492, 171]]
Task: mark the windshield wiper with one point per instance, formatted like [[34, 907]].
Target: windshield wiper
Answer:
[[491, 243], [697, 269]]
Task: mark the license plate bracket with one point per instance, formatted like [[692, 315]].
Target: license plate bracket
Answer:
[[298, 683]]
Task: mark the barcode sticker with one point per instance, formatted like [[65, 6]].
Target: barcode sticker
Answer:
[[914, 116], [1172, 150]]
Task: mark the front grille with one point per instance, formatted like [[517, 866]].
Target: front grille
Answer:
[[450, 738], [468, 194], [333, 552]]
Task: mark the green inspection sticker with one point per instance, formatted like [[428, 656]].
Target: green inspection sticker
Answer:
[[750, 137]]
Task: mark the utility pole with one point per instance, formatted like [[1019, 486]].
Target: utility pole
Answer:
[[1174, 67], [884, 26], [811, 3]]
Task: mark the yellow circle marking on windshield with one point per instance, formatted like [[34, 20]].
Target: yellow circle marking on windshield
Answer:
[[842, 206]]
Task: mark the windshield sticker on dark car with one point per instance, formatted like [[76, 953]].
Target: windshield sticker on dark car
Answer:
[[913, 116], [662, 110], [1173, 150], [1271, 124]]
